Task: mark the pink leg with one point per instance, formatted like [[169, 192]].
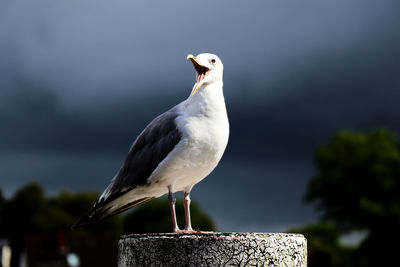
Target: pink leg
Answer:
[[172, 201], [186, 202], [188, 227]]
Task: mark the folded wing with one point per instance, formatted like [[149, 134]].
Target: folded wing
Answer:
[[150, 148]]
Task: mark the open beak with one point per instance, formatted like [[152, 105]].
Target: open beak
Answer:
[[201, 72]]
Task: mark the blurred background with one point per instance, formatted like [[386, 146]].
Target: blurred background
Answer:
[[312, 92]]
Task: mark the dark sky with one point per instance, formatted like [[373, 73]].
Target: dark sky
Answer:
[[80, 79]]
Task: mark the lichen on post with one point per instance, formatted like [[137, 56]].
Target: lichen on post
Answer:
[[213, 249]]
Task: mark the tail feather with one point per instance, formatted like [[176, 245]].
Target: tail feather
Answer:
[[100, 213]]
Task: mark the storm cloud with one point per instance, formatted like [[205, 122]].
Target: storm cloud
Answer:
[[80, 80]]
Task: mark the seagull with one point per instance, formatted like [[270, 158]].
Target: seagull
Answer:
[[178, 149]]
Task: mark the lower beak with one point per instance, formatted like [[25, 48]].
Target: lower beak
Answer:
[[201, 72]]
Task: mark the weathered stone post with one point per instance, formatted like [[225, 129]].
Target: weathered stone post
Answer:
[[213, 249]]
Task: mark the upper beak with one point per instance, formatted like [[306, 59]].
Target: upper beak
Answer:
[[197, 65]]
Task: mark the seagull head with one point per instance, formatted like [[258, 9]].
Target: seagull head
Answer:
[[209, 69]]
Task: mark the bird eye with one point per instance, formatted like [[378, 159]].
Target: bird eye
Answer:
[[213, 60]]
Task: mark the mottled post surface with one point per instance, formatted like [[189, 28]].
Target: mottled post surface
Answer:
[[213, 249]]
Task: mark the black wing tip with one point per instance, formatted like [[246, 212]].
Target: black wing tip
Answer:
[[76, 226], [93, 215], [85, 220], [97, 214]]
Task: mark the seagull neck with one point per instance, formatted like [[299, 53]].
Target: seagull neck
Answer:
[[209, 97]]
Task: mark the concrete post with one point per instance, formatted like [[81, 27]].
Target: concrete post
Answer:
[[213, 249]]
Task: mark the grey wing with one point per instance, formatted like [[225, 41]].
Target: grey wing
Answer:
[[150, 148]]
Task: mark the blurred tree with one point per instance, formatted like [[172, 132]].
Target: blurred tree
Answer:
[[324, 248], [67, 207], [155, 217], [2, 200], [24, 211], [29, 213], [31, 217], [2, 226], [358, 188], [358, 185], [22, 216]]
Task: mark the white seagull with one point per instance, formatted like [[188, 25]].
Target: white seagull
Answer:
[[174, 152]]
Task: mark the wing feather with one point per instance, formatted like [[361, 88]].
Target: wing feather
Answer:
[[149, 149]]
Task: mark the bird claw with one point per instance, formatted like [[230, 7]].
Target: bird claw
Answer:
[[191, 231], [186, 231]]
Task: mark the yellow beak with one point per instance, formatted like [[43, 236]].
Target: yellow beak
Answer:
[[199, 68], [193, 59]]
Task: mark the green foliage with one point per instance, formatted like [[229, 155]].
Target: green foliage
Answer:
[[30, 212], [24, 212], [2, 200], [357, 187], [324, 248], [155, 217], [358, 181], [2, 214], [68, 207]]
